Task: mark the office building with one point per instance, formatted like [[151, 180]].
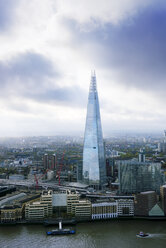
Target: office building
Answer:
[[163, 197], [145, 201], [125, 207], [49, 161], [141, 156], [162, 144], [72, 197], [136, 177], [36, 211], [104, 210], [156, 211], [11, 213], [82, 209], [46, 197], [39, 210], [94, 168]]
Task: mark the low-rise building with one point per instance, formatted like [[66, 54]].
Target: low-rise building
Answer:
[[11, 213], [144, 202], [104, 210], [36, 211], [10, 199], [163, 197], [72, 197], [12, 207], [46, 198], [156, 211], [125, 207], [82, 209], [41, 209]]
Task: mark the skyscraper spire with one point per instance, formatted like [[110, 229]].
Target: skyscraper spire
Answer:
[[93, 82], [94, 171], [93, 74]]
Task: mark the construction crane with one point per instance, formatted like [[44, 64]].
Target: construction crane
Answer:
[[37, 179]]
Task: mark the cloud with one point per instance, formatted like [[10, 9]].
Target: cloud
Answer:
[[72, 96], [7, 8], [32, 76], [134, 52], [26, 71], [97, 13]]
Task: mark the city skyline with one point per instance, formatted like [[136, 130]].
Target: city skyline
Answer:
[[48, 50]]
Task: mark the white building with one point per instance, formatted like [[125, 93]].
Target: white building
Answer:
[[125, 207], [104, 210]]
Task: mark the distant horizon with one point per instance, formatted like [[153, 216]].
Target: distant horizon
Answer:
[[113, 133]]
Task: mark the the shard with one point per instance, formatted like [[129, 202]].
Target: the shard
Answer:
[[94, 170]]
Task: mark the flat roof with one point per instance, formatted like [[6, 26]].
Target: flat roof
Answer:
[[147, 192], [12, 198], [77, 185]]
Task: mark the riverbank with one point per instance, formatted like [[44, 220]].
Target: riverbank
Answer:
[[50, 222]]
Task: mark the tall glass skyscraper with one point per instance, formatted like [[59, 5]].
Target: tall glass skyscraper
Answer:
[[94, 169]]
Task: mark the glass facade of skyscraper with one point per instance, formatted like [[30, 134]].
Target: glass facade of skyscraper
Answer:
[[135, 177], [94, 170]]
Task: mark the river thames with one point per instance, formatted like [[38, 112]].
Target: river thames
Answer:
[[112, 234]]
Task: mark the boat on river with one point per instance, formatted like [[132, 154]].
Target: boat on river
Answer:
[[61, 231], [142, 235]]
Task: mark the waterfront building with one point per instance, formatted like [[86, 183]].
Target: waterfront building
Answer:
[[9, 200], [59, 203], [94, 168], [12, 208], [82, 209], [145, 201], [36, 211], [72, 197], [59, 199], [163, 197], [125, 207], [11, 213], [104, 210], [135, 177], [46, 197], [156, 211], [40, 209]]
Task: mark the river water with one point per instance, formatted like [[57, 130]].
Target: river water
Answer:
[[112, 234]]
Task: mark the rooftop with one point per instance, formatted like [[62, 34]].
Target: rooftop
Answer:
[[147, 192], [12, 198]]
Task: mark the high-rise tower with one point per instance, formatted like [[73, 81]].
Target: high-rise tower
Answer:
[[94, 169]]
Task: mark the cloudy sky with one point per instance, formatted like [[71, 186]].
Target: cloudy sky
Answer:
[[48, 49]]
